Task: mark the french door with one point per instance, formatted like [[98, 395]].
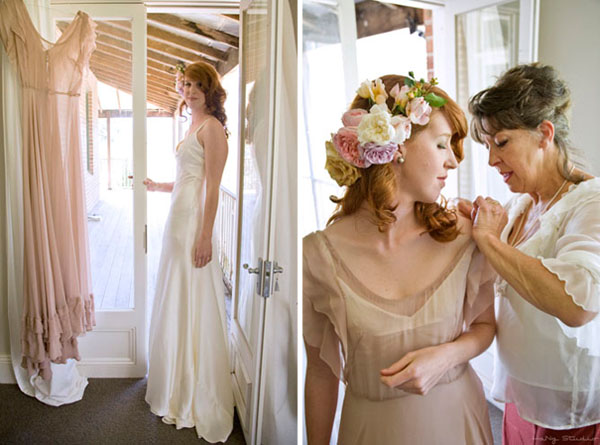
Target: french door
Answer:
[[117, 347], [485, 38], [258, 272]]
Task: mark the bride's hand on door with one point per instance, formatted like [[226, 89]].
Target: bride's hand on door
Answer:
[[151, 186]]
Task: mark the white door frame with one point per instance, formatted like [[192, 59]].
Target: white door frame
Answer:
[[118, 347], [248, 360]]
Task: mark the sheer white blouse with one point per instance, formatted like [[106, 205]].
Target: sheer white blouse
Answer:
[[551, 371]]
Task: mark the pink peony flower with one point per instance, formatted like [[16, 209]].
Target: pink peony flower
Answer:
[[403, 128], [400, 95], [345, 142], [418, 110], [378, 154], [352, 118]]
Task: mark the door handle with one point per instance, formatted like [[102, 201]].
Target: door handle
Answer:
[[255, 270], [258, 271]]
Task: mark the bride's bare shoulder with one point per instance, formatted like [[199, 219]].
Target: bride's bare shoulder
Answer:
[[465, 225]]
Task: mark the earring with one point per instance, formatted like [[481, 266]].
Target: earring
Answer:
[[400, 159]]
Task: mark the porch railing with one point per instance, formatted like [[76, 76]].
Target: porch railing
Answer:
[[226, 232]]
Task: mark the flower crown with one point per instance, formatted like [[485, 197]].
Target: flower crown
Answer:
[[372, 137], [179, 72]]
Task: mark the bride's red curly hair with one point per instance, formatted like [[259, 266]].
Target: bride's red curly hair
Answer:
[[210, 84], [377, 184]]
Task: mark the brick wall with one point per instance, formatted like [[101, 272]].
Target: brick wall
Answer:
[[88, 118], [427, 16]]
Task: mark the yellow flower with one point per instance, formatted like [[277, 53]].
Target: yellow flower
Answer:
[[340, 171], [379, 95]]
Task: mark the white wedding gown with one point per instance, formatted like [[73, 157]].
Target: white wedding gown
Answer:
[[189, 382]]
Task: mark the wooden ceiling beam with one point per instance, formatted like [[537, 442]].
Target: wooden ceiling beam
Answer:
[[110, 60], [129, 113], [171, 38], [174, 39], [179, 53], [113, 42], [196, 28], [118, 34], [112, 51], [374, 17], [152, 86], [112, 63]]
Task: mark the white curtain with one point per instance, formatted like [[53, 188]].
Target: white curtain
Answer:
[[66, 385], [486, 47]]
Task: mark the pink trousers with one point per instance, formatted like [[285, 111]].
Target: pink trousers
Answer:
[[517, 431]]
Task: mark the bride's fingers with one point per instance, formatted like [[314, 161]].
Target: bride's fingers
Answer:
[[397, 366]]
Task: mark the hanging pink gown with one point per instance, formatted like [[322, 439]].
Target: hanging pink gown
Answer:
[[57, 302]]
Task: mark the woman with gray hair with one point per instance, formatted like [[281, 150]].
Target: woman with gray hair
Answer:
[[545, 245]]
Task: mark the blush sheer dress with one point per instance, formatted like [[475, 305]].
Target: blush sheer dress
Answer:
[[359, 333], [57, 296]]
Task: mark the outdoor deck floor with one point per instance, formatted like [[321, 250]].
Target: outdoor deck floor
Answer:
[[111, 249]]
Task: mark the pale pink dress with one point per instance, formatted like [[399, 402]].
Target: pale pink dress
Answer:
[[359, 333], [57, 300]]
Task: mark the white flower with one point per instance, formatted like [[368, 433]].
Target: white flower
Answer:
[[403, 128], [365, 90], [376, 126]]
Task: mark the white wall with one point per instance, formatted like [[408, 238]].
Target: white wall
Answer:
[[568, 40]]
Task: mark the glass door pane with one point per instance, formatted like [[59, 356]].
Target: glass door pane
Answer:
[[109, 175], [324, 102], [486, 45], [256, 75]]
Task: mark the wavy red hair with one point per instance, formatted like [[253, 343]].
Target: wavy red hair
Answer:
[[377, 183]]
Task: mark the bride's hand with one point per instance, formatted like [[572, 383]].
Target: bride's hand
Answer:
[[202, 252], [151, 186], [418, 371]]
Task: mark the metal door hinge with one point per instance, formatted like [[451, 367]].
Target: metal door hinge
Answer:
[[146, 239]]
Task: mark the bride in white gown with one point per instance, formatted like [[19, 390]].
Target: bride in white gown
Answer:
[[189, 381]]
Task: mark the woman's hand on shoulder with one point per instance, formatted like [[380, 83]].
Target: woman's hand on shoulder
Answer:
[[418, 371], [489, 219]]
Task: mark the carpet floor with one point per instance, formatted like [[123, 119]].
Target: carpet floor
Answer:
[[113, 411]]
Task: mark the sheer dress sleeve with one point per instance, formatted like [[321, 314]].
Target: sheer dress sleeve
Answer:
[[11, 32], [577, 264], [480, 287], [324, 312]]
